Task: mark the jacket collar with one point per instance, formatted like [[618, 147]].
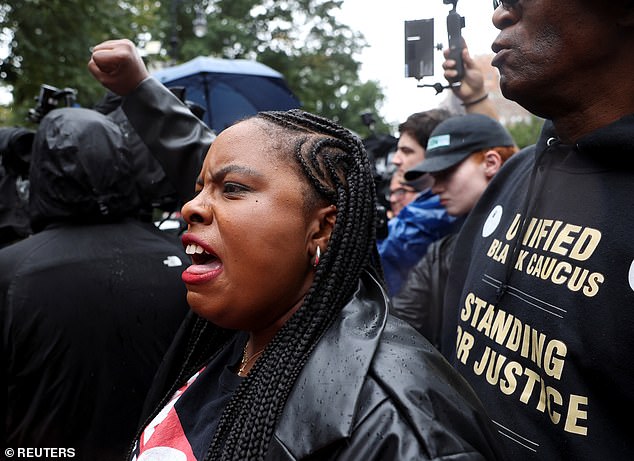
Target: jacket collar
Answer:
[[612, 139], [329, 386], [606, 147]]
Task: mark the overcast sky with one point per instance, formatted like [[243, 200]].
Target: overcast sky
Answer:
[[382, 24]]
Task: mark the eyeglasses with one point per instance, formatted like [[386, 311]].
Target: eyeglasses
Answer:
[[399, 193], [506, 4]]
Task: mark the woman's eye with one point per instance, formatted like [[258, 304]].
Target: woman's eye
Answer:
[[233, 188]]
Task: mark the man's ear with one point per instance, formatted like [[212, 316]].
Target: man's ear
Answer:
[[321, 230], [492, 163]]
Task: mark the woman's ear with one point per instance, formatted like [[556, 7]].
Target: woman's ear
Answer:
[[492, 163], [321, 229]]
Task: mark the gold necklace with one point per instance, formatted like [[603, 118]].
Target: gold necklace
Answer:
[[244, 362]]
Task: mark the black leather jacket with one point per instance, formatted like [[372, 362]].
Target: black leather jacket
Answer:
[[389, 394], [420, 301]]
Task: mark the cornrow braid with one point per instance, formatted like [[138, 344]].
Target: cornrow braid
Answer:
[[337, 168]]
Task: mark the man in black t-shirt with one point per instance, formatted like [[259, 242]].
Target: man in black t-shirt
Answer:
[[543, 271]]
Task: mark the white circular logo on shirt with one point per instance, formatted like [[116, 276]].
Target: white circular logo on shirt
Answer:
[[631, 275], [493, 221]]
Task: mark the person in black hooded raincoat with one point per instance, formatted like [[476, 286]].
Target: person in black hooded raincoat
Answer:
[[90, 302], [15, 153]]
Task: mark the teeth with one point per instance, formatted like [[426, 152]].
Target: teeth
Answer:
[[192, 248]]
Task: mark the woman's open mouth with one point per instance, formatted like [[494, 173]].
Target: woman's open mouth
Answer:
[[205, 266]]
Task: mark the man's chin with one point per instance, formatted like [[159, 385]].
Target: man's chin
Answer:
[[512, 88], [506, 86], [535, 100]]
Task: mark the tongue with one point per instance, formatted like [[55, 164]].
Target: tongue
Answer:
[[204, 268]]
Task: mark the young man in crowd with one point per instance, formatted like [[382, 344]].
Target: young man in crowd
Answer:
[[424, 219], [401, 193]]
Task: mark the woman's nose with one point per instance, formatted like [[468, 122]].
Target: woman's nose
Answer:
[[196, 211]]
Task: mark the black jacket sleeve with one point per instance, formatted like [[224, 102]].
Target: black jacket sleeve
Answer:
[[177, 138], [420, 301]]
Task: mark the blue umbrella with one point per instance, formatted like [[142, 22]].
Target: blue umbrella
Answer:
[[229, 89]]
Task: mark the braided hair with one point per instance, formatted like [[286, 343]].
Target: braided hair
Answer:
[[338, 171]]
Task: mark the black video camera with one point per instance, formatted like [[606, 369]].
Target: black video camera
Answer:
[[379, 148], [51, 98], [419, 46]]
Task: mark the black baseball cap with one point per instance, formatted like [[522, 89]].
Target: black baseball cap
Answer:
[[456, 138]]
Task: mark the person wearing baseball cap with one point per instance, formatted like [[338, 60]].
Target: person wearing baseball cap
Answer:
[[463, 154], [477, 143], [456, 138]]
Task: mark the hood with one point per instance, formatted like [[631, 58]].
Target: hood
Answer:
[[15, 154], [15, 150], [154, 188], [80, 169], [152, 183]]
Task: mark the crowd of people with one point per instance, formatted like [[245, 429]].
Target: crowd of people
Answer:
[[491, 322], [463, 155]]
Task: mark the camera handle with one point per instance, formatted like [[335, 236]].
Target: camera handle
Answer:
[[455, 24]]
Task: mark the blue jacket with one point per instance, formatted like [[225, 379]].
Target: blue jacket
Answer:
[[409, 234]]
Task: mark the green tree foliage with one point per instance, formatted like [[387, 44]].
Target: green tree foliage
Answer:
[[5, 116], [526, 133], [50, 41]]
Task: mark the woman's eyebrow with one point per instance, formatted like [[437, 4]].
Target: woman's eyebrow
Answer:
[[224, 171]]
